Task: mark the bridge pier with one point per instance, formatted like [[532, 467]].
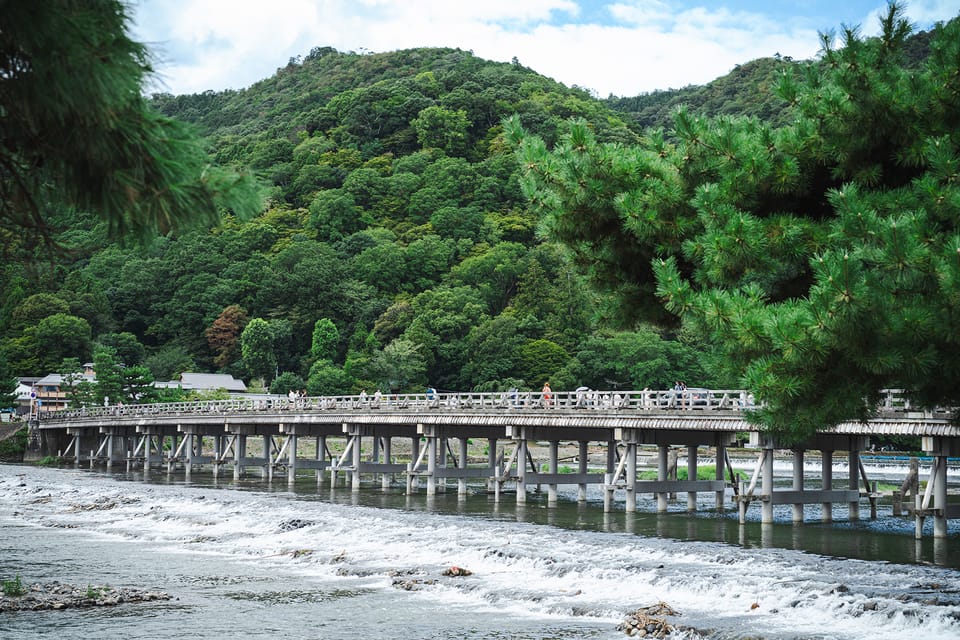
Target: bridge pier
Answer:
[[691, 475], [663, 452], [936, 490], [582, 462], [634, 419], [554, 461], [357, 459], [798, 483], [386, 479], [826, 465], [721, 462], [321, 444], [240, 454], [462, 464], [766, 487], [854, 475], [522, 453], [292, 442]]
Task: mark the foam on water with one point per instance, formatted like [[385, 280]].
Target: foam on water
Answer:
[[520, 570]]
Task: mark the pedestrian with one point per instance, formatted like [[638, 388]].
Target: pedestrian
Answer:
[[546, 394]]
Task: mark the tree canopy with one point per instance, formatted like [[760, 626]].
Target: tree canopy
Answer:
[[77, 133], [822, 258]]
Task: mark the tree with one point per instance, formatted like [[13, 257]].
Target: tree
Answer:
[[8, 384], [539, 360], [128, 349], [443, 129], [109, 372], [286, 382], [223, 335], [169, 362], [257, 348], [137, 385], [326, 378], [326, 338], [61, 336], [77, 131], [37, 307], [400, 364], [820, 257]]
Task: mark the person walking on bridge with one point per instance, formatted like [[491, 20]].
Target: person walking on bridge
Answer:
[[546, 394]]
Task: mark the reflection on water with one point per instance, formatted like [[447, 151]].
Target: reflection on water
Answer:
[[889, 538]]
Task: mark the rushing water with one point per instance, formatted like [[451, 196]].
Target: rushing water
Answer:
[[258, 560]]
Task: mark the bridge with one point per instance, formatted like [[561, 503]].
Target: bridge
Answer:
[[354, 436]]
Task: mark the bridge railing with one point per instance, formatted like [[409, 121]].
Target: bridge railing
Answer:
[[893, 401], [579, 400]]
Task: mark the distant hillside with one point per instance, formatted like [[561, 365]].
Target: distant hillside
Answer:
[[748, 90]]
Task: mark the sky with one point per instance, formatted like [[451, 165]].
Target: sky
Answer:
[[623, 48]]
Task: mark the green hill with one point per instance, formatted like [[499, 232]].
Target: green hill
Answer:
[[395, 249]]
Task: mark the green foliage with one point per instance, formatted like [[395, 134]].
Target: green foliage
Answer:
[[819, 258], [398, 218], [8, 384], [78, 133], [326, 378], [258, 342], [14, 446], [399, 366], [326, 339], [13, 588], [287, 382], [109, 373]]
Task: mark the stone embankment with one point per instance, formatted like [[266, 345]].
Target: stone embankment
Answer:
[[56, 595]]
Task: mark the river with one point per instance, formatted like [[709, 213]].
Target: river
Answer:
[[263, 560]]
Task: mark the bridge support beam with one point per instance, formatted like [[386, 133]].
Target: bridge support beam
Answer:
[[292, 442], [721, 462], [766, 487], [663, 452], [826, 465], [554, 462], [522, 453], [386, 455], [583, 454], [854, 469], [321, 443], [691, 475], [462, 464], [240, 454], [798, 483], [357, 459]]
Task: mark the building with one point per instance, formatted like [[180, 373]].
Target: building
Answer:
[[205, 382], [48, 393]]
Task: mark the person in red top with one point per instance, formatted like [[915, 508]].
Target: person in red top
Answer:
[[546, 394]]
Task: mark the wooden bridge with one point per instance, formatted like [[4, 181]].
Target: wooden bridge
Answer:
[[227, 435]]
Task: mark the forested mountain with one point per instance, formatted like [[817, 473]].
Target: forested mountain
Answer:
[[395, 248]]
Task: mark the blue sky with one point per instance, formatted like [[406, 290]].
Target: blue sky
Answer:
[[622, 48]]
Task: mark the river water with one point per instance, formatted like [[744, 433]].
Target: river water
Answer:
[[255, 559]]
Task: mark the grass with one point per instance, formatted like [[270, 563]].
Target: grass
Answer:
[[705, 472], [13, 588], [93, 593]]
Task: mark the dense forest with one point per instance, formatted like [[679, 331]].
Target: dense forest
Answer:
[[395, 247]]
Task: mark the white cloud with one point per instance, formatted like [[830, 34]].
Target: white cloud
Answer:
[[624, 48]]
